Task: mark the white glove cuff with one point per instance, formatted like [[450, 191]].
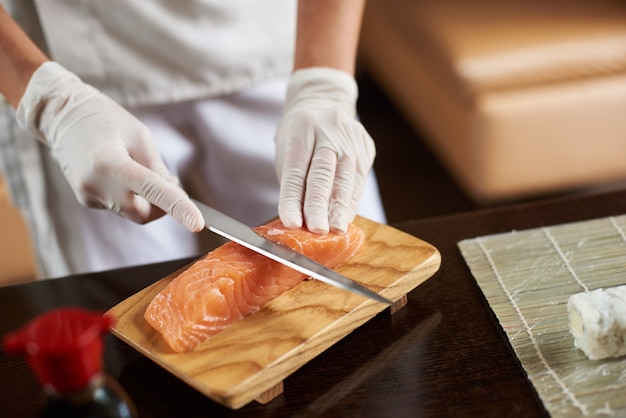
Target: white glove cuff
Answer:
[[327, 87], [50, 95]]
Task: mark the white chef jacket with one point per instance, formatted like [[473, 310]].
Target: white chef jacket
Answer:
[[141, 52]]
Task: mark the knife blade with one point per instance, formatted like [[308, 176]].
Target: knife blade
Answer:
[[242, 234]]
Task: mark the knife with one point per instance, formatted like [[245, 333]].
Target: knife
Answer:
[[242, 234]]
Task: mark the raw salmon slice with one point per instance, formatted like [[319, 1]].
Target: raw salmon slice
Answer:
[[232, 281]]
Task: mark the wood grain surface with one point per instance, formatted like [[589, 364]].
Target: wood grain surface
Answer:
[[254, 355]]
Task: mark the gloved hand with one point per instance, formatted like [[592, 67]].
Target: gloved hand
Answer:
[[105, 153], [323, 153]]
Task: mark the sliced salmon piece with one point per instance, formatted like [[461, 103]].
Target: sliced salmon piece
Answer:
[[232, 281]]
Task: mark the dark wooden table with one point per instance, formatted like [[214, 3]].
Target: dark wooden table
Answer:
[[442, 355]]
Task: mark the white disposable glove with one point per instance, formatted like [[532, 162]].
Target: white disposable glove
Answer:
[[323, 153], [105, 153]]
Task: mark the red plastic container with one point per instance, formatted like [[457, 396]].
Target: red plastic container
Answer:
[[64, 348]]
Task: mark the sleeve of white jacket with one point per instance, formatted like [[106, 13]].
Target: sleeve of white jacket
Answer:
[[323, 152], [106, 154]]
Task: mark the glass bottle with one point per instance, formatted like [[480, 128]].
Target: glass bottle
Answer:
[[64, 348]]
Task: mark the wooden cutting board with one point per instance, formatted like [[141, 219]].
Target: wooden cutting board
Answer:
[[249, 360]]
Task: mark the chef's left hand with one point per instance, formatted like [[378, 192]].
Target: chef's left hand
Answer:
[[323, 153]]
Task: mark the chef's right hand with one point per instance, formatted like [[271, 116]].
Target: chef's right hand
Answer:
[[106, 154]]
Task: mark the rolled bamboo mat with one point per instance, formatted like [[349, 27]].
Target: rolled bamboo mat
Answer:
[[527, 277]]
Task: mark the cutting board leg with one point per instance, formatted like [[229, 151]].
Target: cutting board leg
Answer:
[[399, 304], [279, 388], [271, 393]]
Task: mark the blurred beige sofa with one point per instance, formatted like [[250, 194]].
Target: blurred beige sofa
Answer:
[[17, 260], [517, 98]]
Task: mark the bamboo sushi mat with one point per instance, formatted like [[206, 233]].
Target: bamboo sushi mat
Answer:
[[527, 277]]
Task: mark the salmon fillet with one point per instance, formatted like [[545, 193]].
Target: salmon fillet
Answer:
[[232, 281]]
